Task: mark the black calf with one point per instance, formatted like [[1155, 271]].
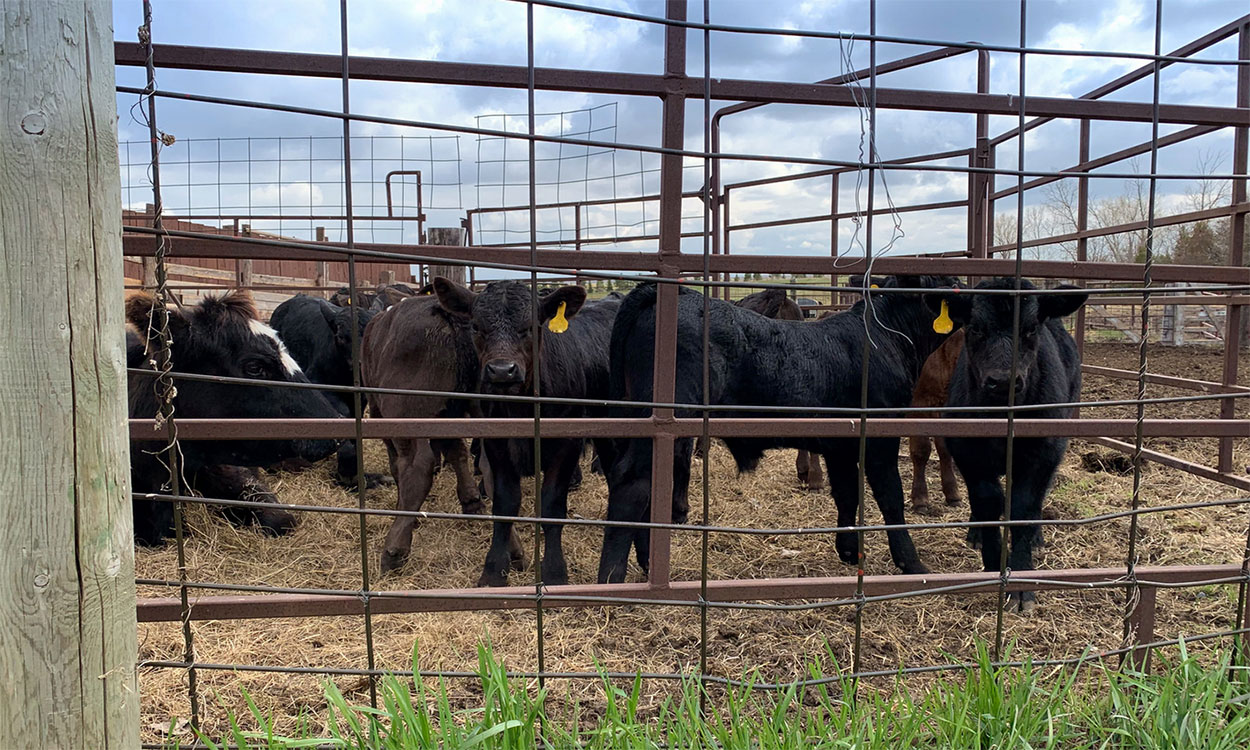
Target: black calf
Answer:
[[574, 364], [319, 337], [1048, 371], [761, 361]]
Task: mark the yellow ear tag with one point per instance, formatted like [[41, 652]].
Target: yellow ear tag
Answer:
[[943, 323], [873, 286], [558, 324]]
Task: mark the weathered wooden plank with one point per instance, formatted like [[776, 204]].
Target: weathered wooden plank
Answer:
[[67, 598]]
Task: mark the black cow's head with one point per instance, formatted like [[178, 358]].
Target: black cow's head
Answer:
[[224, 336], [502, 318], [987, 322], [341, 323]]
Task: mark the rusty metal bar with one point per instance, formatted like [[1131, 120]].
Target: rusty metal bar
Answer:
[[1233, 318], [664, 374], [1237, 209], [935, 206], [1206, 386], [1198, 470], [136, 242], [1142, 627], [782, 92], [275, 606], [1185, 50], [1085, 164]]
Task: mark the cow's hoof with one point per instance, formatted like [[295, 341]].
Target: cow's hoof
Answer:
[[974, 538], [556, 577], [474, 508], [492, 579], [915, 569], [681, 516], [814, 487], [393, 559], [923, 508], [293, 465], [954, 500], [372, 481], [848, 552], [1024, 602]]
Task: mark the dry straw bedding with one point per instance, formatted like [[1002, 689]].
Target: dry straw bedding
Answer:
[[323, 552]]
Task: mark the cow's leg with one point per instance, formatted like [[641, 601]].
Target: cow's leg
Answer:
[[681, 479], [506, 501], [815, 474], [629, 499], [414, 471], [985, 501], [1031, 479], [802, 467], [560, 459], [946, 465], [887, 488], [345, 470], [243, 483], [918, 449], [457, 455], [843, 481]]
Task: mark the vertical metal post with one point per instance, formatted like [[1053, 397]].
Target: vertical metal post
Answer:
[[1082, 223], [1133, 591], [1233, 327], [674, 111], [357, 406], [1142, 628], [725, 230], [834, 297], [983, 210]]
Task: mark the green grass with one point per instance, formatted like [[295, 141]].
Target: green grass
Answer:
[[1184, 703]]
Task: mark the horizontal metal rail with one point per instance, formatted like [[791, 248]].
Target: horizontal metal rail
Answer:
[[138, 241], [555, 427], [914, 99], [276, 605]]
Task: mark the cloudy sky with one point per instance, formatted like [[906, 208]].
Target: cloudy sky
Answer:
[[250, 161]]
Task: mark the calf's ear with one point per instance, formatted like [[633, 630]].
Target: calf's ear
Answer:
[[572, 296], [140, 307], [452, 297], [958, 306], [1060, 305]]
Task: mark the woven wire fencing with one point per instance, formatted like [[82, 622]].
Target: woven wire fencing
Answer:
[[993, 171]]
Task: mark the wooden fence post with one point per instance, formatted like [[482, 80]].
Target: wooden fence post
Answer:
[[243, 266], [447, 236], [322, 277], [67, 592]]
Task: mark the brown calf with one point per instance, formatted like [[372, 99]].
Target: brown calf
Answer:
[[931, 390], [415, 345]]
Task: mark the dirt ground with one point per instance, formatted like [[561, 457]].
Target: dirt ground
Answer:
[[323, 552]]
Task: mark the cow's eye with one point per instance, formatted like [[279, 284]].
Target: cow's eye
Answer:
[[255, 369]]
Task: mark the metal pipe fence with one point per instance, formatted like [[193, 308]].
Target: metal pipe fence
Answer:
[[670, 265]]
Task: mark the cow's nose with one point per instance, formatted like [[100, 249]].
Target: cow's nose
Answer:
[[998, 382], [502, 371]]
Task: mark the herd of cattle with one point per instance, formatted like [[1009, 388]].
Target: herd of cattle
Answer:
[[929, 343]]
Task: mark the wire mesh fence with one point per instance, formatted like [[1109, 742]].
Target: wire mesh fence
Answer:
[[1133, 294]]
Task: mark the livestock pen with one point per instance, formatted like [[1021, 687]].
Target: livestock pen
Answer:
[[1147, 536]]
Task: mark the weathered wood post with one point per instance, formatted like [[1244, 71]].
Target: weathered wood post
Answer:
[[447, 236], [323, 268], [67, 594]]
